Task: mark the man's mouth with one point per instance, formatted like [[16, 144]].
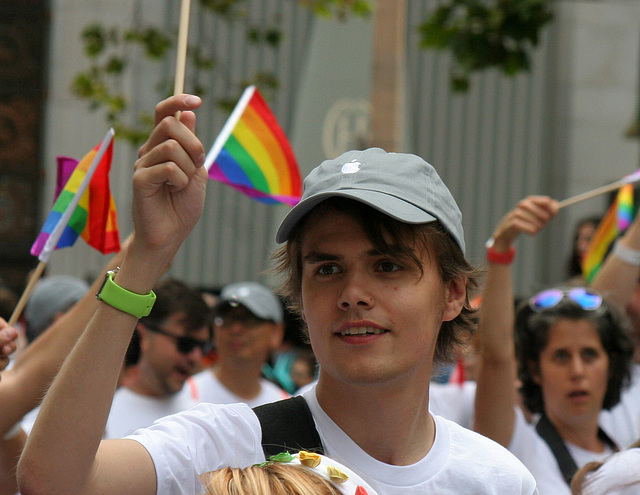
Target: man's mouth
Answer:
[[362, 331]]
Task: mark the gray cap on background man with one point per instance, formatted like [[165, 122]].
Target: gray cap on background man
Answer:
[[52, 295], [257, 298]]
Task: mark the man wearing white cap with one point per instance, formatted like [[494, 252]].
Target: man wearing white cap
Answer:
[[247, 327], [374, 262]]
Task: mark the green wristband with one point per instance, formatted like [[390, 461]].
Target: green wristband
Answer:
[[138, 305]]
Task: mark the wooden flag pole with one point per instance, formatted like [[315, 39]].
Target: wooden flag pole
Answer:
[[183, 36], [17, 311], [596, 192]]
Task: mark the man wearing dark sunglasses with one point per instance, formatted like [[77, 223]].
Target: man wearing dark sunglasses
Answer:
[[170, 344], [248, 327]]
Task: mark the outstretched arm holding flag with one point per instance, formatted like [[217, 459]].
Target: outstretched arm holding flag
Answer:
[[64, 453], [23, 385]]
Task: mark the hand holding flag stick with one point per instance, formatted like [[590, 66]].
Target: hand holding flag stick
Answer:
[[181, 56], [628, 179]]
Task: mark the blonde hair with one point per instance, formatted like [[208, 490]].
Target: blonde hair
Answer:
[[270, 479], [577, 482]]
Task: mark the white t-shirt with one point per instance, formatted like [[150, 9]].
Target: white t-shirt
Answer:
[[452, 401], [622, 422], [130, 410], [211, 390], [209, 437], [528, 446]]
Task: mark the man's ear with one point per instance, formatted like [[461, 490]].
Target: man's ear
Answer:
[[455, 293], [143, 334]]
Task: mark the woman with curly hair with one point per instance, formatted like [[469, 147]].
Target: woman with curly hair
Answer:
[[571, 354]]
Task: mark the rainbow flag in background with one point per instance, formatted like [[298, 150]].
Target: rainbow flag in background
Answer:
[[616, 220], [624, 214], [252, 154], [94, 218]]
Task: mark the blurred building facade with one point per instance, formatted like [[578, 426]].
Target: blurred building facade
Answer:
[[558, 130]]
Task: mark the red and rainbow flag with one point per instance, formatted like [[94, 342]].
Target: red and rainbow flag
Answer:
[[83, 206], [252, 154], [616, 220]]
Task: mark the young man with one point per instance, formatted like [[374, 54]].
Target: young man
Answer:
[[248, 327], [382, 290], [172, 339]]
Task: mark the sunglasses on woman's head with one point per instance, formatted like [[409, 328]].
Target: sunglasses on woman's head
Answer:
[[586, 299]]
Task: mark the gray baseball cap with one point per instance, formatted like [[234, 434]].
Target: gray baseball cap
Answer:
[[52, 294], [257, 298], [400, 185]]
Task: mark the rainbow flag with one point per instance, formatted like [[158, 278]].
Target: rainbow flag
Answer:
[[624, 214], [616, 220], [252, 154], [84, 206]]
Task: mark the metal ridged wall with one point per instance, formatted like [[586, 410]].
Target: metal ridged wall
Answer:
[[488, 144]]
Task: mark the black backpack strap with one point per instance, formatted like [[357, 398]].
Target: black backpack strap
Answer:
[[550, 435], [288, 425]]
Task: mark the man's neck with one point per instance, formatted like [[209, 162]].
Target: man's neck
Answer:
[[138, 382], [390, 423], [243, 381]]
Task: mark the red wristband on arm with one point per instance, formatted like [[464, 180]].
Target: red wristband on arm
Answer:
[[494, 256]]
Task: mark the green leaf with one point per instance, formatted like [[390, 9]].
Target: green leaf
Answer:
[[94, 40]]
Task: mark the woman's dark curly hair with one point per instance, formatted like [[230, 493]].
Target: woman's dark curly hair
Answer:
[[403, 241], [531, 335]]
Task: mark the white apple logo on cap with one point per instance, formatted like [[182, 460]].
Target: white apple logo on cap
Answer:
[[351, 167]]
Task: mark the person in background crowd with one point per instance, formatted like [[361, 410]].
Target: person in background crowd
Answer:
[[303, 368], [619, 281], [572, 355], [172, 341], [584, 230], [247, 328], [52, 297]]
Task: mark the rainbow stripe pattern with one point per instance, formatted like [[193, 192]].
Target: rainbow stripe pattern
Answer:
[[94, 218], [252, 154], [625, 207], [616, 220]]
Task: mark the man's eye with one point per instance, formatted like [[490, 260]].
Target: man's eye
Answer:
[[388, 267], [327, 270]]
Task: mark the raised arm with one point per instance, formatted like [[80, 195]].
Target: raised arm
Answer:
[[23, 385], [496, 394], [64, 453], [8, 343], [618, 276]]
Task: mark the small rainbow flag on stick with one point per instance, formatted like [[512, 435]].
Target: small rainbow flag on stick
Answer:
[[616, 221], [84, 206], [252, 154]]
